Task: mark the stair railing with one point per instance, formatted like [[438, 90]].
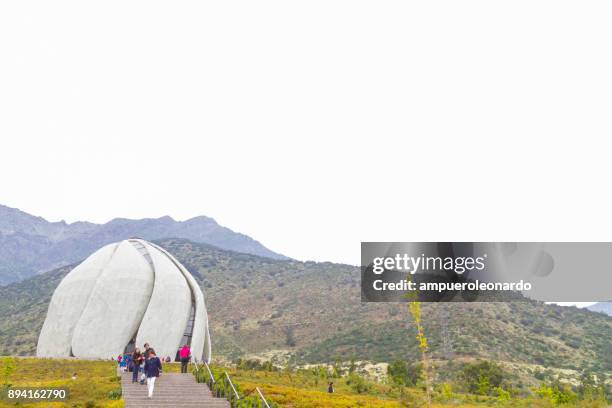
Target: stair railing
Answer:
[[224, 388], [262, 398], [233, 396], [210, 381]]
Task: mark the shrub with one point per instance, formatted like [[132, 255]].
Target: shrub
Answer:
[[556, 393], [115, 394], [590, 389], [446, 392], [502, 395], [358, 384], [290, 337], [481, 377]]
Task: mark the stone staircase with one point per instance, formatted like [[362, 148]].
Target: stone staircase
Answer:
[[171, 390]]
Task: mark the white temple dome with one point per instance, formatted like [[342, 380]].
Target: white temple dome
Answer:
[[128, 292]]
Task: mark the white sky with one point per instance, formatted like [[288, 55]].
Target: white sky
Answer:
[[315, 125], [577, 304]]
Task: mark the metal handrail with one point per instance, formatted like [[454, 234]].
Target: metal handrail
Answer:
[[220, 389], [232, 385], [263, 399], [212, 377]]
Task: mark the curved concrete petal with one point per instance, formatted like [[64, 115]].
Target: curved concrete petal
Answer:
[[67, 304], [116, 305], [167, 314], [207, 344], [200, 325]]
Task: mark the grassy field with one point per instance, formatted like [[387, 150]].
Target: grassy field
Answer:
[[96, 382], [301, 391], [307, 389]]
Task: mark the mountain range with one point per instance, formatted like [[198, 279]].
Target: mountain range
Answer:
[[30, 245], [261, 303]]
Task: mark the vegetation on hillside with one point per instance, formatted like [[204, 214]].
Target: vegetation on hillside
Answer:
[[309, 312]]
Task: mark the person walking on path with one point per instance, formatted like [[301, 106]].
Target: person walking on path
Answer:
[[137, 359], [145, 355], [153, 368], [185, 355]]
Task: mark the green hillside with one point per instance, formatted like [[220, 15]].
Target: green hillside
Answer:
[[312, 312]]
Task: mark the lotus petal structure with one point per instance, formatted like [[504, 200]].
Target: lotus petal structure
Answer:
[[127, 293]]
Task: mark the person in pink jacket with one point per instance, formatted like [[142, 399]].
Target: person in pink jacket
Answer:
[[185, 355]]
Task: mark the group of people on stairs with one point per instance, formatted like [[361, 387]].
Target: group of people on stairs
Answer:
[[149, 365]]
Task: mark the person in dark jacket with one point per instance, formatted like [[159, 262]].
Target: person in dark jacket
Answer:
[[153, 368], [145, 355], [137, 359]]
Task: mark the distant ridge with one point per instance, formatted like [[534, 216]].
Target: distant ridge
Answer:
[[31, 244], [602, 307]]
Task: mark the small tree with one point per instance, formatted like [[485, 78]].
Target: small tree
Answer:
[[402, 373], [337, 369], [415, 310]]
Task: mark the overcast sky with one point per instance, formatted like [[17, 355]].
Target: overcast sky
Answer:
[[313, 125]]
